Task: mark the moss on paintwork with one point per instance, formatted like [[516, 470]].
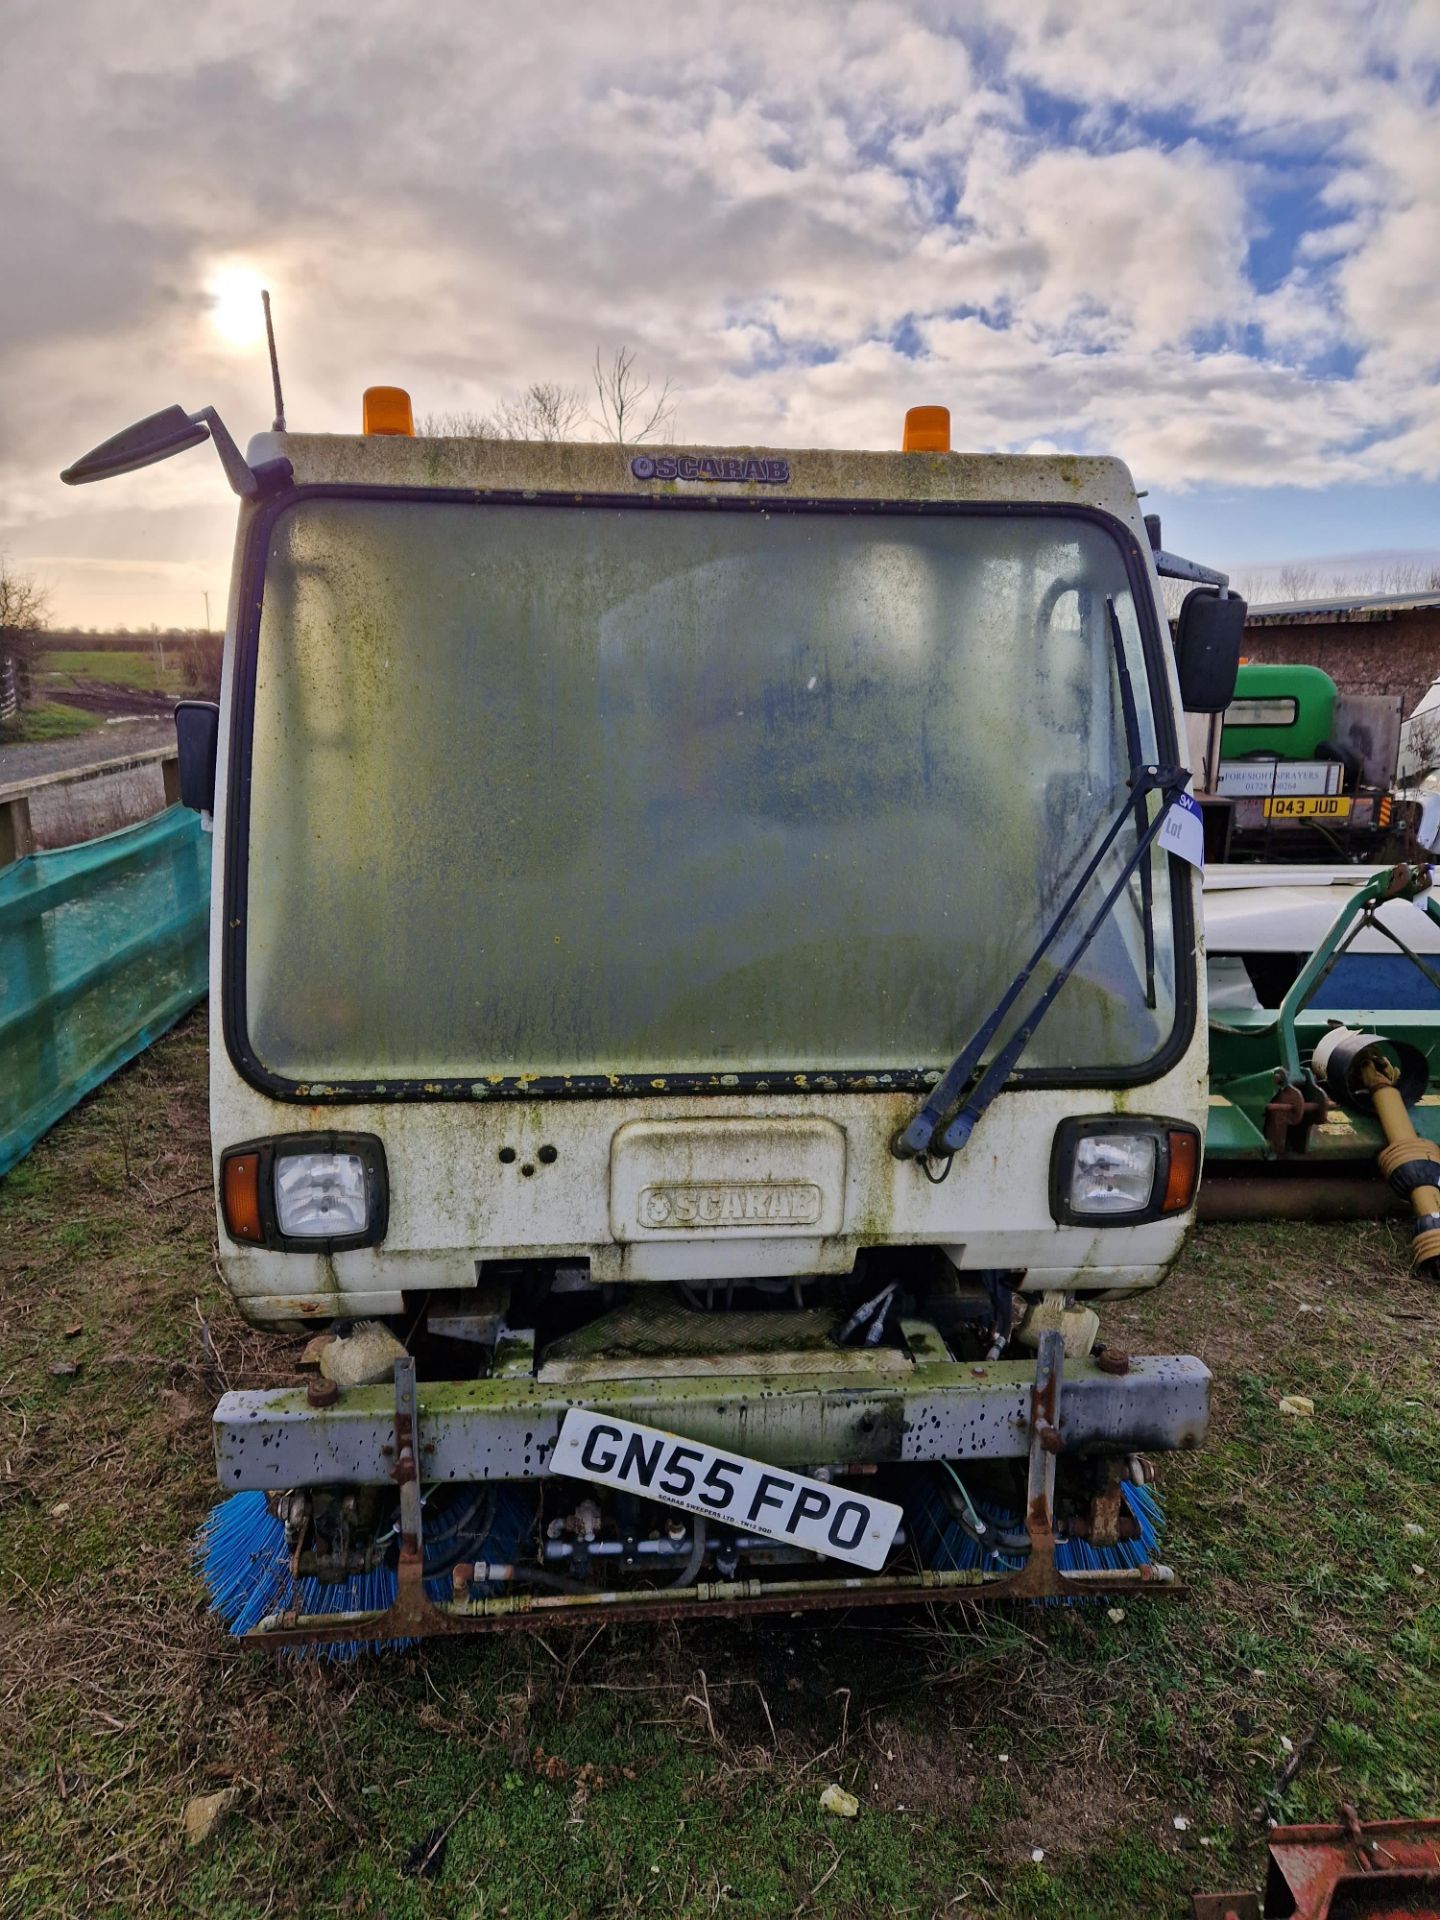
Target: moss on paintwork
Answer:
[[600, 467]]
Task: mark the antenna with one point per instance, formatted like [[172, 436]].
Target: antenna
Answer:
[[278, 424]]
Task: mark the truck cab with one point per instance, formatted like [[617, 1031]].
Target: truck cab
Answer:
[[639, 870]]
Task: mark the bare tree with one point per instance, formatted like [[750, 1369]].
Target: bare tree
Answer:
[[457, 425], [23, 604], [628, 409], [1394, 577], [629, 412], [23, 607], [544, 411], [1172, 593], [1297, 583], [1294, 582], [1310, 580]]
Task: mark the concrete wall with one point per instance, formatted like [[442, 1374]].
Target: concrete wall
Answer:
[[1398, 654]]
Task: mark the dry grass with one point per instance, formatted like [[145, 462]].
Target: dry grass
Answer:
[[679, 1772]]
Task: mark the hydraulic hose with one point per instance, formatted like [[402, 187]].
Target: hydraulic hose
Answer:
[[1409, 1163], [688, 1573]]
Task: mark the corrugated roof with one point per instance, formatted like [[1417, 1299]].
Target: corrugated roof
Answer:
[[1339, 608]]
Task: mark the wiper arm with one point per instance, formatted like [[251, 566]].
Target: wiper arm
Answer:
[[919, 1137], [1132, 748]]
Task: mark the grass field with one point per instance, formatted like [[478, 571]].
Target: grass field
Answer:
[[669, 1773], [100, 679], [148, 667], [46, 720]]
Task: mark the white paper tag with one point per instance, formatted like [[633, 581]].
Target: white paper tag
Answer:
[[1183, 833]]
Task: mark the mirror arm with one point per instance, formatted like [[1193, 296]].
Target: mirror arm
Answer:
[[249, 482], [1172, 567]]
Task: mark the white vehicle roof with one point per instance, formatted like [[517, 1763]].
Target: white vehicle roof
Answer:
[[1263, 909], [599, 467]]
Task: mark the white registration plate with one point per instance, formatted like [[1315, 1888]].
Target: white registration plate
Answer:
[[743, 1493]]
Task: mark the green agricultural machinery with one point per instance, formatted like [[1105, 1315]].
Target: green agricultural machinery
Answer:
[[1319, 1104]]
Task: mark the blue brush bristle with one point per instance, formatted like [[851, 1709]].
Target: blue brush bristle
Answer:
[[944, 1545], [240, 1553]]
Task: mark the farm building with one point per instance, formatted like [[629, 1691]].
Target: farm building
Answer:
[[1367, 643]]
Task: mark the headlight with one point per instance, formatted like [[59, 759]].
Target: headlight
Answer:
[[306, 1193], [320, 1195], [1121, 1172], [1113, 1172]]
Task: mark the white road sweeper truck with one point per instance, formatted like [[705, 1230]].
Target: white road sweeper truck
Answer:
[[705, 1005]]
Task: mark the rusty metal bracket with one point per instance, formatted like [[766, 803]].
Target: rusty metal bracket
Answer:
[[1384, 1869], [1296, 1108], [406, 1472], [1107, 1508]]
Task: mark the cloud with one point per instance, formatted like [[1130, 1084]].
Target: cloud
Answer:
[[807, 215], [1389, 279]]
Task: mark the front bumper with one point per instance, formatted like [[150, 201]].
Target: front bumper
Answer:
[[506, 1429]]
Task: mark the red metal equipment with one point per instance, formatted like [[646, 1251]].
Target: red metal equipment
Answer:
[[1378, 1869]]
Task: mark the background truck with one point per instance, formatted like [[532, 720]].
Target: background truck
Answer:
[[640, 902], [1296, 770]]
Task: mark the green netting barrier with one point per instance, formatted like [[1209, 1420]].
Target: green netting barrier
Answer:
[[102, 947]]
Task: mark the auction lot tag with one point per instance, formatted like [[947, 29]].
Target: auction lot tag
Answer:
[[1183, 833], [744, 1493]]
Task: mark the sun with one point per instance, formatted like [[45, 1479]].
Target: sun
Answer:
[[235, 310]]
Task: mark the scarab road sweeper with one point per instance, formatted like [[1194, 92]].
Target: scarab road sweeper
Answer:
[[706, 1001]]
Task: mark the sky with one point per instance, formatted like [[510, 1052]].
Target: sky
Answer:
[[1202, 236]]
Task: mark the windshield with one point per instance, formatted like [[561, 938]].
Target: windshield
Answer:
[[637, 791]]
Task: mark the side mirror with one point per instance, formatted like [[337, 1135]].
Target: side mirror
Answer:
[[171, 430], [1207, 649], [154, 438], [197, 734]]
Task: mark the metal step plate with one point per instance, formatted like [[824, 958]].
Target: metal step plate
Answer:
[[666, 1341]]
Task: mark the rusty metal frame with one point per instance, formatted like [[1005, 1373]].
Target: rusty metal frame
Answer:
[[413, 1615], [1385, 1869]]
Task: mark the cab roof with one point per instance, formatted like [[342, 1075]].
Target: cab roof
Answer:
[[778, 473]]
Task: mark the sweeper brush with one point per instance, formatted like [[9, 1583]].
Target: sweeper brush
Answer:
[[248, 1563], [955, 1533]]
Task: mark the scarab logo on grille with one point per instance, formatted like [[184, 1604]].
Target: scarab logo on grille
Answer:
[[711, 466], [746, 1203]]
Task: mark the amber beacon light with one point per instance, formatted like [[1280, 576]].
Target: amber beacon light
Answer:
[[387, 410], [927, 430]]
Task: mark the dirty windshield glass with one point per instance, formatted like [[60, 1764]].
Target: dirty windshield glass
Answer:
[[544, 790]]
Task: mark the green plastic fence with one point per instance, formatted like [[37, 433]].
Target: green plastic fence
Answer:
[[102, 947]]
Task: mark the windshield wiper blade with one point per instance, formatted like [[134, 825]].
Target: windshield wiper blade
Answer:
[[919, 1137], [1131, 714]]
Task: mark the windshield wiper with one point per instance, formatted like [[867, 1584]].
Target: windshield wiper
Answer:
[[938, 1116], [1132, 749], [919, 1137]]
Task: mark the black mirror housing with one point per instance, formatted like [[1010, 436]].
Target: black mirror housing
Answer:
[[197, 734], [1208, 639], [172, 430], [154, 438]]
